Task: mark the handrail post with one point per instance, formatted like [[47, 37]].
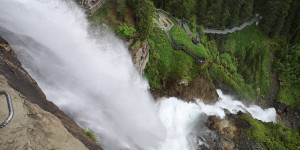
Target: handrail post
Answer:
[[10, 109]]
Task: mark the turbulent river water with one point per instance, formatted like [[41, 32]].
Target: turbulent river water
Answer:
[[93, 80]]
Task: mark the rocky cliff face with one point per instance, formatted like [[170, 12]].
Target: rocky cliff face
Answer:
[[229, 133], [38, 123], [199, 88], [140, 56], [31, 126]]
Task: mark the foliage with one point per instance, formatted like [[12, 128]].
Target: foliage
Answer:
[[179, 8], [274, 16], [105, 14], [234, 80], [165, 24], [250, 50], [200, 30], [227, 63], [223, 13], [181, 38], [165, 63], [169, 21], [90, 134], [135, 44], [274, 136], [125, 32], [121, 9], [193, 23], [144, 13], [288, 68], [101, 14], [241, 60]]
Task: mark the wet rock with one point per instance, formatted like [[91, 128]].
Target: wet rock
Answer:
[[289, 116], [140, 56], [228, 133]]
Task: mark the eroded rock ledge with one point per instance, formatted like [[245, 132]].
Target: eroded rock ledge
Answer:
[[199, 88]]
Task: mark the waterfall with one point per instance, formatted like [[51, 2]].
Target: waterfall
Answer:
[[185, 121], [93, 80]]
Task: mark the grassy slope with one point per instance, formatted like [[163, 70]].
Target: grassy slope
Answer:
[[181, 38], [253, 36], [165, 63], [289, 96], [288, 69], [246, 79], [274, 136]]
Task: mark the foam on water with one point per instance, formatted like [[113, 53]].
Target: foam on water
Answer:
[[185, 121]]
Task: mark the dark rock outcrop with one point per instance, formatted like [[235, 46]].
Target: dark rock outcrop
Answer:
[[289, 116], [140, 56], [229, 133], [19, 80], [199, 88]]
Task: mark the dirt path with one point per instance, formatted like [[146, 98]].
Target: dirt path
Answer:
[[274, 83]]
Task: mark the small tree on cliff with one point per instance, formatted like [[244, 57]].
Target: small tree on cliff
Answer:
[[144, 11]]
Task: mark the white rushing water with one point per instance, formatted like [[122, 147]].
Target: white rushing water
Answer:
[[185, 121], [94, 81]]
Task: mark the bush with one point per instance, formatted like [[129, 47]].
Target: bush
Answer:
[[125, 31], [90, 134]]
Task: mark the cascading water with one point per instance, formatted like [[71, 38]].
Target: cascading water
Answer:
[[94, 81], [185, 121]]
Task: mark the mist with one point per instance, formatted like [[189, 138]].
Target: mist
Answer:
[[93, 80]]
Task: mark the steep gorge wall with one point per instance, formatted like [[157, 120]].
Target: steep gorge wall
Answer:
[[26, 90]]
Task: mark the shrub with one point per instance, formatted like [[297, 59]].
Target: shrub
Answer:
[[125, 31], [90, 134]]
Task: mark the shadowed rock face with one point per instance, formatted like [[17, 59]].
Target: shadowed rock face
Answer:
[[18, 79]]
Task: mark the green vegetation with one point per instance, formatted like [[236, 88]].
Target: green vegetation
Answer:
[[165, 24], [121, 9], [274, 136], [144, 13], [288, 68], [165, 63], [242, 61], [125, 31], [181, 38], [90, 134], [106, 14], [135, 44], [169, 21], [280, 18], [210, 13], [101, 14], [200, 30]]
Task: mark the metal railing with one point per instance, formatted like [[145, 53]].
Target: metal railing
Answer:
[[199, 60], [95, 7], [10, 109]]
